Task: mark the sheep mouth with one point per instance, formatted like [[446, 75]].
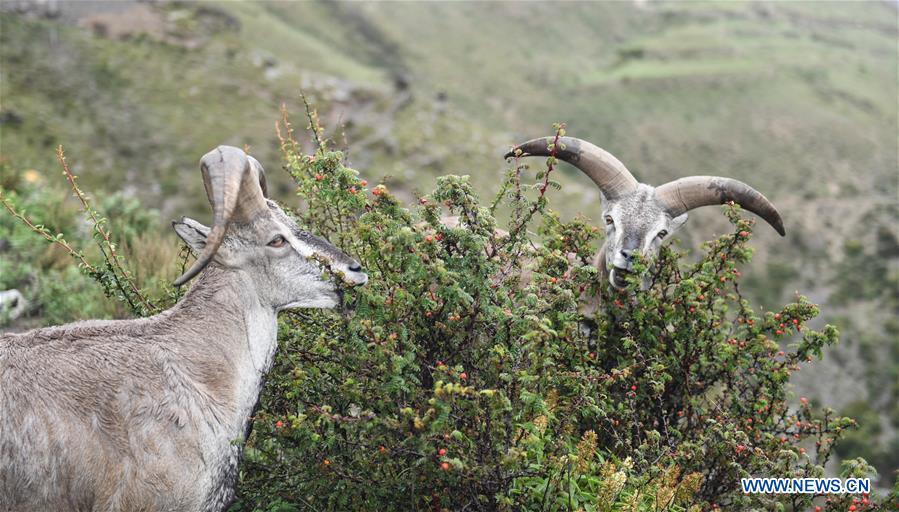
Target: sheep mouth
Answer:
[[617, 277], [346, 302]]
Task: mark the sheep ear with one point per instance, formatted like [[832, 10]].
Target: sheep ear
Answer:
[[678, 222], [192, 232]]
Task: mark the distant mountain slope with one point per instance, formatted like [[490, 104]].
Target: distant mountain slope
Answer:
[[797, 98]]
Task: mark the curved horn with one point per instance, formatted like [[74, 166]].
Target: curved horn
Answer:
[[609, 174], [236, 188], [681, 196]]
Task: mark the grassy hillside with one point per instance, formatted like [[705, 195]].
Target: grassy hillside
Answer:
[[796, 98]]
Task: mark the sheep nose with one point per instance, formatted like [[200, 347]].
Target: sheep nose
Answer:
[[354, 275], [628, 254]]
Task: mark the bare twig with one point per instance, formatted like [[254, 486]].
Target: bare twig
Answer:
[[129, 288]]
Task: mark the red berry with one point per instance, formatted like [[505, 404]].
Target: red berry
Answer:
[[777, 316], [552, 279], [352, 190], [634, 388], [441, 452], [463, 375], [376, 192], [851, 508], [437, 237], [429, 238], [444, 466], [326, 462], [778, 332], [279, 424], [382, 449], [817, 509], [781, 353], [363, 183], [428, 314], [318, 177], [744, 234]]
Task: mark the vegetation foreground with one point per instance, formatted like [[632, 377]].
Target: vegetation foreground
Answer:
[[465, 377]]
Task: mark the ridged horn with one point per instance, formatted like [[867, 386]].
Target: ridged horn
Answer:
[[609, 174], [236, 188], [682, 195]]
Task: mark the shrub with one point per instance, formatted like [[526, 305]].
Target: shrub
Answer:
[[459, 384]]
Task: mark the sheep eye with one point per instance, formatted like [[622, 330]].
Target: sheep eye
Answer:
[[278, 241], [662, 234], [609, 220]]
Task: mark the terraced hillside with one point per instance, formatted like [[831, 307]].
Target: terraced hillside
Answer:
[[796, 98]]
